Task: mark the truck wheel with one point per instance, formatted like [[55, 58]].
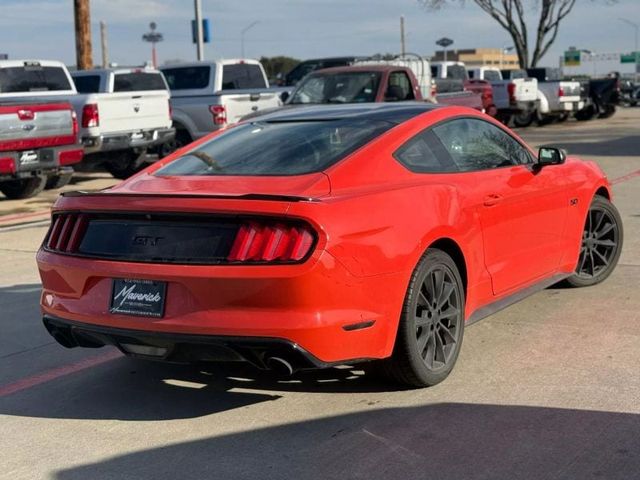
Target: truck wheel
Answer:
[[545, 120], [523, 119], [23, 188], [586, 113], [124, 164], [609, 111], [181, 139], [59, 180]]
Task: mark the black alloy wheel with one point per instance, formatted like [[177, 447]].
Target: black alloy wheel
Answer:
[[601, 244], [432, 323]]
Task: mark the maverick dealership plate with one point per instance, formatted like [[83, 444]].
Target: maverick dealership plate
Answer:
[[145, 298]]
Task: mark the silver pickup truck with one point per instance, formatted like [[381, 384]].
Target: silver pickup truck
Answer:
[[558, 99], [208, 96]]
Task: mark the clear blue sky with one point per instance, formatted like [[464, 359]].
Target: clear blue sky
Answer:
[[300, 28]]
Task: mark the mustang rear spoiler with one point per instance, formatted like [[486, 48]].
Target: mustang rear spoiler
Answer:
[[247, 196]]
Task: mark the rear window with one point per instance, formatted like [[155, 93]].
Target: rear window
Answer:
[[492, 76], [138, 82], [87, 83], [242, 75], [187, 78], [277, 148], [33, 78], [352, 87]]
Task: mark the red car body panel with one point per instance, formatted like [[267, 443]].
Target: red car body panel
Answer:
[[374, 219]]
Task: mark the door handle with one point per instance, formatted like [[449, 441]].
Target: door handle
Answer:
[[492, 199]]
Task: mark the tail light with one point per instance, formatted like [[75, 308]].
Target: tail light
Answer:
[[434, 89], [24, 114], [7, 166], [74, 121], [276, 243], [66, 232], [511, 90], [219, 113], [170, 109], [561, 92], [90, 115]]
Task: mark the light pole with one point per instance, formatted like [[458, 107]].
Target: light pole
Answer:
[[245, 30], [502, 52], [635, 50], [444, 42], [153, 37], [197, 6]]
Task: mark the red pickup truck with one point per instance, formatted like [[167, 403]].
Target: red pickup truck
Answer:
[[370, 83], [38, 145]]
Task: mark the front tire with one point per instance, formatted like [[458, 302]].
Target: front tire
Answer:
[[431, 325], [601, 244], [125, 163]]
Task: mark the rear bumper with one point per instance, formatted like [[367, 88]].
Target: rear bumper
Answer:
[[318, 305], [571, 106], [129, 140], [26, 163], [182, 348]]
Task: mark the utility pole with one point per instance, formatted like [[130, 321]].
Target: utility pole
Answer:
[[82, 18], [402, 43], [103, 45], [197, 5]]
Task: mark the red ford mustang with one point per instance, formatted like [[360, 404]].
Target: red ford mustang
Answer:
[[326, 235]]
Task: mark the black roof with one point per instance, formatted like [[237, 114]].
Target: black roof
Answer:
[[391, 112]]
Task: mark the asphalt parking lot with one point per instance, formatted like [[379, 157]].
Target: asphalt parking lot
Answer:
[[547, 389]]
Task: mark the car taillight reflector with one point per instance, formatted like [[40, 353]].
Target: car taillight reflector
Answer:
[[66, 232], [7, 165], [561, 92], [511, 89], [74, 120], [90, 116], [69, 157], [219, 113], [256, 242]]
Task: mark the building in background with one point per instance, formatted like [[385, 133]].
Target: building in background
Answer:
[[476, 57]]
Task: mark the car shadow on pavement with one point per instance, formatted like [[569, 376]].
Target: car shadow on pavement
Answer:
[[440, 441], [620, 147]]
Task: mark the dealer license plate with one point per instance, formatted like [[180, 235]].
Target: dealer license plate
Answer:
[[145, 298]]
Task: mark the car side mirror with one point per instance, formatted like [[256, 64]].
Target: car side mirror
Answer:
[[284, 96], [550, 156]]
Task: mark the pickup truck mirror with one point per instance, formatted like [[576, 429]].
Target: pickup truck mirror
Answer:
[[551, 156], [284, 96]]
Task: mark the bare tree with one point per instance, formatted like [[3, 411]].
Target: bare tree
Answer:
[[510, 14]]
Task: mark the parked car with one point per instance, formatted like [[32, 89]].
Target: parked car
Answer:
[[515, 96], [602, 96], [125, 113], [301, 70], [326, 235], [208, 96], [115, 127], [38, 144], [452, 78], [558, 99], [629, 92]]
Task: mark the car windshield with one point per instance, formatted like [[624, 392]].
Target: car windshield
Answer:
[[353, 87], [277, 148]]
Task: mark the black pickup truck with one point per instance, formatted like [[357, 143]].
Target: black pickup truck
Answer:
[[601, 97]]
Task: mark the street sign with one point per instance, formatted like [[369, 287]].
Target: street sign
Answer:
[[206, 38], [444, 42], [572, 58], [629, 57]]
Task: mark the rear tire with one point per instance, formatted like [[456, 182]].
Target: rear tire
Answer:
[[60, 180], [181, 139], [523, 119], [124, 164], [431, 326], [23, 188], [586, 113], [601, 244]]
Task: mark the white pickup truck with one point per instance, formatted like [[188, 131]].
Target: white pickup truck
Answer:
[[515, 97], [208, 96], [558, 99], [121, 113]]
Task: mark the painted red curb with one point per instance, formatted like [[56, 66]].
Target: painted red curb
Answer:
[[626, 177], [55, 373]]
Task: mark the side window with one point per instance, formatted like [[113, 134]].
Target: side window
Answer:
[[399, 88], [242, 75], [471, 74], [479, 145], [424, 153], [187, 78], [87, 83]]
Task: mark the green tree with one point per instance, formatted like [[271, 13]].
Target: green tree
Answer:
[[510, 14]]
